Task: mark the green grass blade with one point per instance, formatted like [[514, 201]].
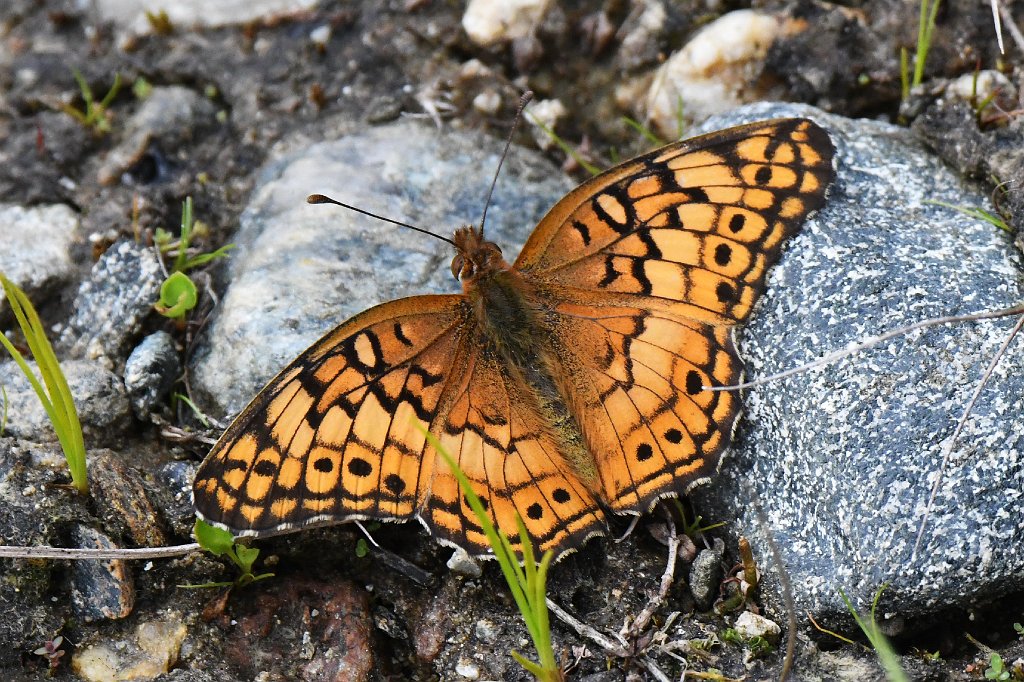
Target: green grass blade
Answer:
[[56, 398], [527, 582], [186, 235], [904, 74], [644, 131], [880, 643], [501, 549], [565, 147], [973, 212]]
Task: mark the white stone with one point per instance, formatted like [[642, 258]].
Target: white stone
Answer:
[[467, 669], [981, 85], [488, 22], [716, 71], [487, 102], [150, 653], [131, 14], [750, 625], [36, 244], [546, 112]]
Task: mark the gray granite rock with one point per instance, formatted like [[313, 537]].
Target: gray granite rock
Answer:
[[99, 397], [169, 117], [300, 270], [112, 304], [36, 252], [150, 371], [841, 460]]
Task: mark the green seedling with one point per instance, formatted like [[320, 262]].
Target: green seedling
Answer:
[[200, 415], [975, 212], [96, 116], [178, 295], [879, 642], [564, 146], [52, 652], [53, 390], [220, 542], [527, 582], [1019, 629], [925, 29], [644, 131], [996, 669], [731, 636], [142, 88], [190, 228], [362, 548], [160, 22]]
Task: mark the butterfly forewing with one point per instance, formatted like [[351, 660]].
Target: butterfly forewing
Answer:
[[691, 227], [334, 435]]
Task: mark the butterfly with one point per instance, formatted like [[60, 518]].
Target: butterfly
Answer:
[[566, 385]]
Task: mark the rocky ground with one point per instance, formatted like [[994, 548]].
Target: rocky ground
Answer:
[[400, 108]]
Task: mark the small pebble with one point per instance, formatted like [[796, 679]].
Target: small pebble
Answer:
[[750, 625], [489, 22]]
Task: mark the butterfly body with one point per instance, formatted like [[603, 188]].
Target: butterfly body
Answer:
[[565, 384]]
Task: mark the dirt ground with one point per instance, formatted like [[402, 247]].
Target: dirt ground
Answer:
[[267, 80]]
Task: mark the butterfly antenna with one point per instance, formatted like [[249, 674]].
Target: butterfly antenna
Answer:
[[321, 199], [523, 101]]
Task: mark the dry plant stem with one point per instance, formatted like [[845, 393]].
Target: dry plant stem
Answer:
[[10, 552], [787, 586], [620, 649], [610, 647], [994, 4], [642, 620], [654, 670], [1008, 22], [869, 343], [948, 450]]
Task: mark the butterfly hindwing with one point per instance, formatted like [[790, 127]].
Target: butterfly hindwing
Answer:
[[637, 375], [495, 432]]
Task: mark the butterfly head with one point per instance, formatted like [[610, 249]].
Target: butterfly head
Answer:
[[475, 255]]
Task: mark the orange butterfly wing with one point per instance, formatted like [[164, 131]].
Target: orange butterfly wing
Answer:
[[642, 271], [691, 227], [647, 267], [335, 437]]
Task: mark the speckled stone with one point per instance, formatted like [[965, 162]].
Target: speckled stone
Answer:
[[36, 251], [841, 460], [299, 270], [100, 590], [112, 304], [150, 371], [99, 397], [131, 14]]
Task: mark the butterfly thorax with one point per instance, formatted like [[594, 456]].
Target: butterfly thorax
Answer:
[[502, 300]]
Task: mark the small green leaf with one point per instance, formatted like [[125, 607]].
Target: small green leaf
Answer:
[[142, 88], [177, 295], [362, 548], [246, 557], [216, 541]]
